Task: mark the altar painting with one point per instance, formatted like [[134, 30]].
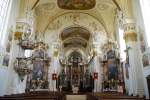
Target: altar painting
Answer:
[[127, 70], [112, 70], [142, 43]]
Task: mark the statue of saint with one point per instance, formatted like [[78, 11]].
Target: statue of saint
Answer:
[[63, 78], [87, 79]]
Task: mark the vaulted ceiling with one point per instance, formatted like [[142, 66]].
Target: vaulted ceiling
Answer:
[[51, 14], [75, 32], [102, 10]]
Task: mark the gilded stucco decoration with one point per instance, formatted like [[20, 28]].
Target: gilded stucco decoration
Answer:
[[130, 32], [55, 25], [44, 8], [130, 37], [103, 6]]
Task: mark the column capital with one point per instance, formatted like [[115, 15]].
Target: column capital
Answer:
[[130, 30], [130, 37]]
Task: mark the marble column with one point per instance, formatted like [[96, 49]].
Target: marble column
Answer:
[[98, 69], [54, 68], [136, 85], [136, 79]]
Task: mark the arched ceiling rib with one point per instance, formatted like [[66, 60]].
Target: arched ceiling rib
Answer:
[[84, 21], [51, 19]]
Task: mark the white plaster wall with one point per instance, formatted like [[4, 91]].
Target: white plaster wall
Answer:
[[3, 81], [3, 73]]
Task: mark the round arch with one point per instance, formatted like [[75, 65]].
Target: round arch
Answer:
[[99, 20], [69, 24]]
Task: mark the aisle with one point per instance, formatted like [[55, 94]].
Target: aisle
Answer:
[[76, 97]]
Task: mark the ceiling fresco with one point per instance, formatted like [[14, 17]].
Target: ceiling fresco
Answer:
[[75, 43], [76, 4], [75, 32]]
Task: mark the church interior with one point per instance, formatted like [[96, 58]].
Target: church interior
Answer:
[[74, 50]]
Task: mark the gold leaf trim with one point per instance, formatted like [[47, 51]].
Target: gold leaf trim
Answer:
[[130, 37]]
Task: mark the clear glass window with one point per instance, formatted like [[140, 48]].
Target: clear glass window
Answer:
[[145, 6], [3, 11]]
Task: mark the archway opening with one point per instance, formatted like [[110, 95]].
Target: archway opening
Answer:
[[75, 73]]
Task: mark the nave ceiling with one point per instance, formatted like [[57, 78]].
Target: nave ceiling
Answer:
[[48, 10], [98, 18]]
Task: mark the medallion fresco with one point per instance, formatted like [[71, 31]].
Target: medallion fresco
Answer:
[[76, 4]]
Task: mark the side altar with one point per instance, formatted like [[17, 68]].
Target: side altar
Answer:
[[34, 64]]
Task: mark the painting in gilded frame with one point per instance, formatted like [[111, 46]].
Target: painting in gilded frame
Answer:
[[6, 60], [142, 43], [145, 60], [127, 70]]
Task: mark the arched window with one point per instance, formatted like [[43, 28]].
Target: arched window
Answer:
[[145, 6], [3, 12]]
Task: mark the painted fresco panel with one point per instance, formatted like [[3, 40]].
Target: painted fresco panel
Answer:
[[76, 4]]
